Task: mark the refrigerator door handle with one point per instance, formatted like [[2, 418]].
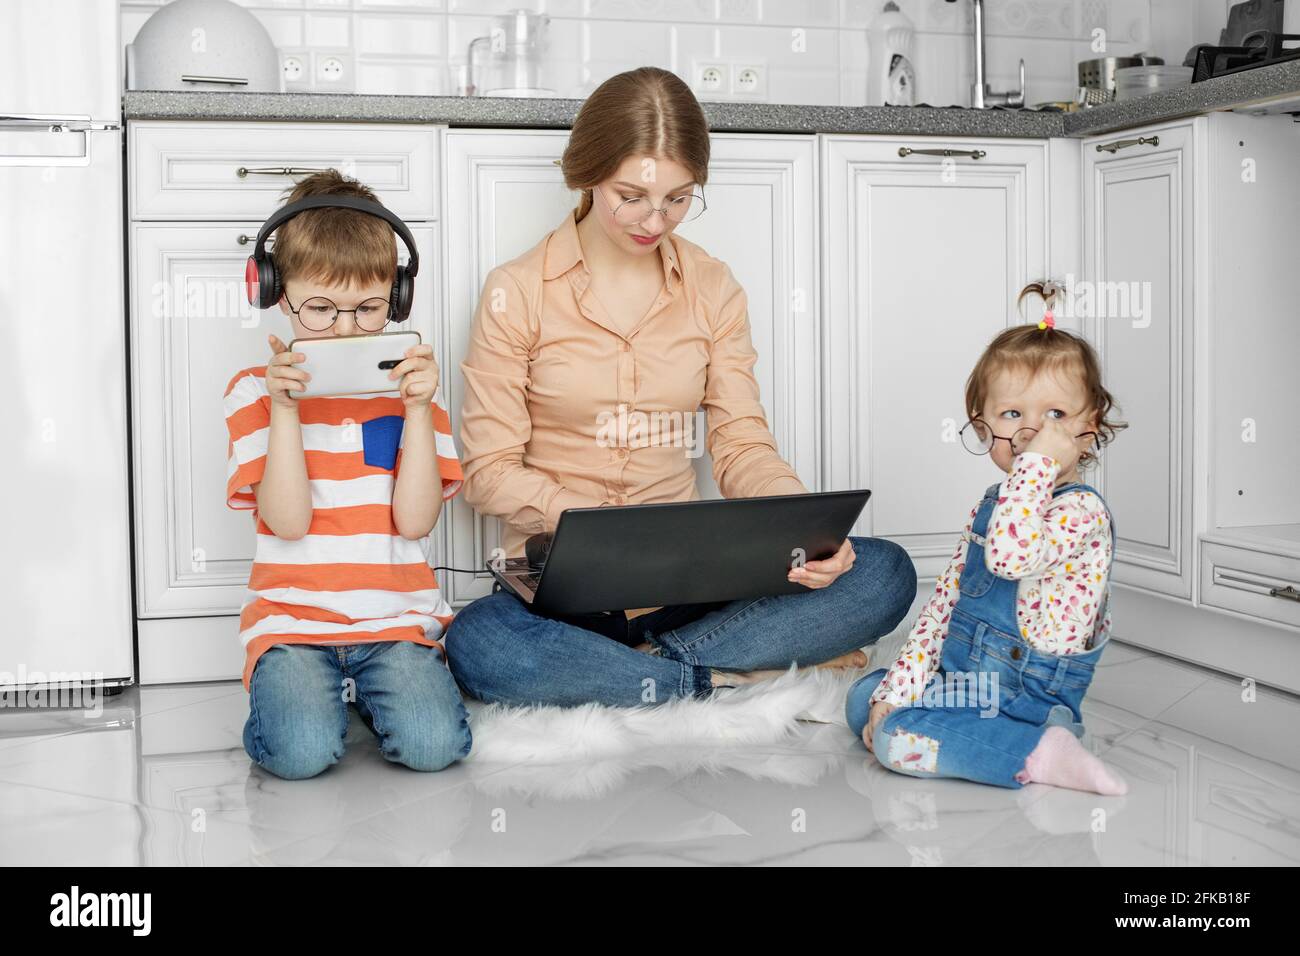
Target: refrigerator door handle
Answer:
[[53, 123]]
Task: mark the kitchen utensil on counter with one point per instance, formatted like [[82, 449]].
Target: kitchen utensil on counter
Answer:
[[1133, 81], [511, 60], [1099, 73], [1263, 49], [1089, 96], [203, 45], [891, 77]]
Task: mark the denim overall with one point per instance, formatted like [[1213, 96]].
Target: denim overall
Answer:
[[965, 725]]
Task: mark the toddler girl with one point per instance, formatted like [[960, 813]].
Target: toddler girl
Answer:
[[989, 683]]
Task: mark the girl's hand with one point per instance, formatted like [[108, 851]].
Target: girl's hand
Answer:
[[419, 375], [821, 574], [282, 376], [879, 711], [1056, 440]]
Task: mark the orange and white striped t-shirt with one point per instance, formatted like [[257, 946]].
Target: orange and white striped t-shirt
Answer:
[[352, 578]]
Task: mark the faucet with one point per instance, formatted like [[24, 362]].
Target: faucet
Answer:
[[980, 94]]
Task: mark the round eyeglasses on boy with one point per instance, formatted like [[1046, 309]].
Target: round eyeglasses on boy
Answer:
[[978, 438], [319, 313]]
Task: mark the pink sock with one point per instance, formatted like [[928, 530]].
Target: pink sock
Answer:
[[1060, 760]]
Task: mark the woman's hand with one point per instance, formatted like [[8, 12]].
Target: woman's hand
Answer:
[[419, 376], [879, 711], [282, 375], [821, 574]]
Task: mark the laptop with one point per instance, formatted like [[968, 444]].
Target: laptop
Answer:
[[689, 552]]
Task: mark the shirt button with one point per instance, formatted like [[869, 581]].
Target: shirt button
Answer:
[[622, 453]]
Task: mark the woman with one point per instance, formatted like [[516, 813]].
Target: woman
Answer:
[[613, 319]]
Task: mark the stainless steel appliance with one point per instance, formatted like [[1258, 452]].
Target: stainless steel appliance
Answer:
[[65, 561]]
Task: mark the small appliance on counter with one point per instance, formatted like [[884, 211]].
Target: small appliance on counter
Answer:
[[515, 64], [203, 45]]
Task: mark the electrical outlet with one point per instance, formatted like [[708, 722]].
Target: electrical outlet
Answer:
[[749, 80], [712, 78], [332, 71], [295, 67]]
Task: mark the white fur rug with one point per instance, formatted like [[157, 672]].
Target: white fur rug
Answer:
[[750, 717]]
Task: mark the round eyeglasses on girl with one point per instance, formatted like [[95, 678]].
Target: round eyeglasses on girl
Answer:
[[978, 438]]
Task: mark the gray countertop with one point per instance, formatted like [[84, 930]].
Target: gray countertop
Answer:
[[1278, 82]]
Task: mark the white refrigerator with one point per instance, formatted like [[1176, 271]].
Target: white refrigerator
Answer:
[[65, 571]]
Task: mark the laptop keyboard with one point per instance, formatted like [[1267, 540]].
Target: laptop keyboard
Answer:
[[530, 580]]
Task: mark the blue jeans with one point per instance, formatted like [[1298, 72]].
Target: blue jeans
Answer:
[[985, 710], [500, 650], [298, 706]]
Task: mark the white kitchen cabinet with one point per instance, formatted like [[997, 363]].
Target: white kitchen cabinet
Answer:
[[1250, 547], [923, 257], [1195, 220], [504, 192], [1139, 267], [191, 330]]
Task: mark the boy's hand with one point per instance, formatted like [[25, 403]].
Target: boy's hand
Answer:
[[281, 374], [1056, 439], [419, 375], [879, 711]]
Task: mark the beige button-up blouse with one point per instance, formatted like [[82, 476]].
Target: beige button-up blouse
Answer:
[[563, 409]]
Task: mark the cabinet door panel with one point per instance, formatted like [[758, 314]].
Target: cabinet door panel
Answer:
[[1138, 253], [923, 260]]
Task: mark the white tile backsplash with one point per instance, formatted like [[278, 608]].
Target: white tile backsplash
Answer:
[[815, 51]]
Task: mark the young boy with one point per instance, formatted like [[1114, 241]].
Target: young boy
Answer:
[[342, 604]]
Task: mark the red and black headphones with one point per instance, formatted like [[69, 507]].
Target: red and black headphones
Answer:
[[262, 280]]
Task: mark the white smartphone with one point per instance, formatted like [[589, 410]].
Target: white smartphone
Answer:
[[352, 364]]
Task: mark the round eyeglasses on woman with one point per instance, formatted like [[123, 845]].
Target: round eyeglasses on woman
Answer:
[[319, 313], [637, 209], [978, 438]]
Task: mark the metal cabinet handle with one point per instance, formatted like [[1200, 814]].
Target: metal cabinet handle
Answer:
[[244, 171], [230, 80], [972, 153], [1125, 143], [1287, 592]]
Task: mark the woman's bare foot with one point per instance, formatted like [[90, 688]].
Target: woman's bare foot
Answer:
[[850, 661]]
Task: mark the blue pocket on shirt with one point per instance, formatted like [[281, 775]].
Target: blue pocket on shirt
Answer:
[[379, 440]]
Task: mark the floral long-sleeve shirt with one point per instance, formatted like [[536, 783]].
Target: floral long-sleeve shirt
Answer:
[[1058, 549]]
